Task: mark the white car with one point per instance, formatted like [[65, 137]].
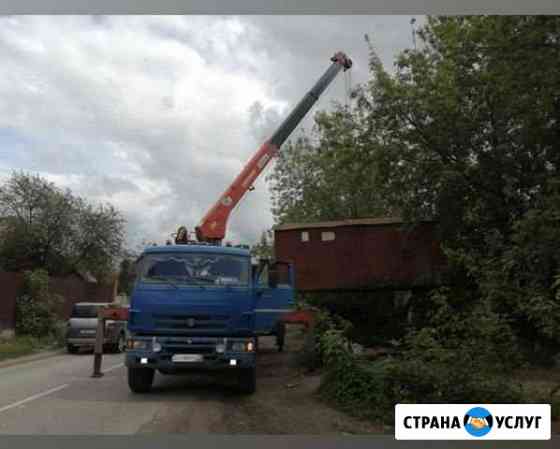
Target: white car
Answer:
[[82, 328]]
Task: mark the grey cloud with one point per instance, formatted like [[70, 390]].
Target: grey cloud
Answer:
[[160, 113], [108, 185], [262, 121]]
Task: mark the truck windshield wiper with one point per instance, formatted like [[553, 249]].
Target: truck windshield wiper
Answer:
[[166, 279]]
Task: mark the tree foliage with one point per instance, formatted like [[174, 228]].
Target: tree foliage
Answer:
[[329, 175], [126, 276], [37, 308], [465, 131], [53, 229], [448, 361], [263, 249]]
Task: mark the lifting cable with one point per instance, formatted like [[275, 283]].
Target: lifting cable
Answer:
[[348, 87]]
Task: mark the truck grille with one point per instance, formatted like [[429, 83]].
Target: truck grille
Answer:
[[193, 348], [181, 345], [190, 322]]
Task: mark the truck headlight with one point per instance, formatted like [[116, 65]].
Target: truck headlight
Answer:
[[137, 344]]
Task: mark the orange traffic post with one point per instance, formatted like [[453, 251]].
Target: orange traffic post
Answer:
[[98, 351], [105, 313]]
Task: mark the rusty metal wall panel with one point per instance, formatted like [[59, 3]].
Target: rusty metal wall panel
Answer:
[[361, 256], [11, 284], [72, 289]]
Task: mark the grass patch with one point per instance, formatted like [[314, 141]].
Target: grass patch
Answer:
[[24, 345]]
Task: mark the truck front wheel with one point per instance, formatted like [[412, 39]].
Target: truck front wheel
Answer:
[[140, 379], [248, 380]]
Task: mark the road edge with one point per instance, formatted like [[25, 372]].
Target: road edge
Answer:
[[31, 358]]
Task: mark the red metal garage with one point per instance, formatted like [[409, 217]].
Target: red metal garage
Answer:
[[361, 254]]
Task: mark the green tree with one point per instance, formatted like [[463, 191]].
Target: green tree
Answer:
[[263, 249], [45, 227], [38, 218], [98, 238], [469, 127], [465, 131], [37, 309], [126, 273], [329, 174]]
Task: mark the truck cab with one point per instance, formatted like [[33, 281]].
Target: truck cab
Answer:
[[203, 307]]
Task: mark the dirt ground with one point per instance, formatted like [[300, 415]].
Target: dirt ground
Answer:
[[285, 402]]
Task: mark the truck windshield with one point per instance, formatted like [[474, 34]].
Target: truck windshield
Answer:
[[195, 269]]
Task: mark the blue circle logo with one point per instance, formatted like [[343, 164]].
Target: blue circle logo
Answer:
[[478, 421]]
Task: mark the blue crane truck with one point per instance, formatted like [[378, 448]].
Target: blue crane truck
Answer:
[[203, 307], [198, 305]]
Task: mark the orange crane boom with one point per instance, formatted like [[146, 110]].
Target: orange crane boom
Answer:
[[212, 227]]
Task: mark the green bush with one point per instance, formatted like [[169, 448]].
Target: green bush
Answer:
[[371, 389], [356, 386], [58, 336], [37, 308], [310, 357], [428, 371], [463, 355]]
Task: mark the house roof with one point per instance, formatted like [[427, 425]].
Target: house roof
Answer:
[[379, 221]]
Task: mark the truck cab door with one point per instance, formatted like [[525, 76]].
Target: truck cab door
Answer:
[[273, 299]]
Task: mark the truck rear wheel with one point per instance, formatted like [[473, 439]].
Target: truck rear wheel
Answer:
[[140, 379], [248, 380]]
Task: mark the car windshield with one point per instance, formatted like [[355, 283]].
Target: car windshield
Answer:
[[85, 311], [195, 269]]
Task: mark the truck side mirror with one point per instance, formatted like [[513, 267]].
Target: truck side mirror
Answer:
[[272, 278]]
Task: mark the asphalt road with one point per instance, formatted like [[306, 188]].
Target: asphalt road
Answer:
[[57, 395]]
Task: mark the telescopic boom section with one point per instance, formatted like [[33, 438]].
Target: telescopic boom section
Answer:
[[212, 227]]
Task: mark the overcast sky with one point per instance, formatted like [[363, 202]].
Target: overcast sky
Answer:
[[156, 114]]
